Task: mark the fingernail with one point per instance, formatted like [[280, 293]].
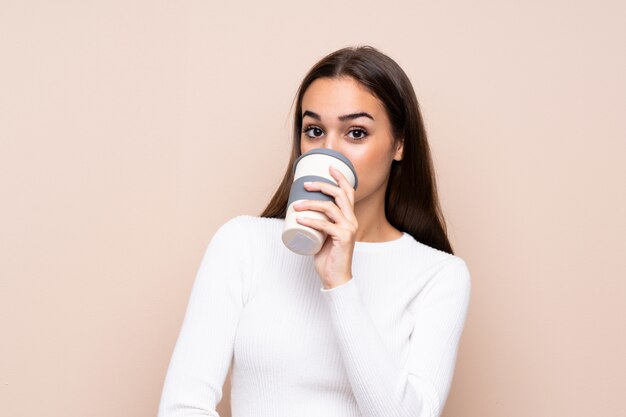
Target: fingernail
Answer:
[[307, 183]]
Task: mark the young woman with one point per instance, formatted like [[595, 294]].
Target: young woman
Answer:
[[370, 325]]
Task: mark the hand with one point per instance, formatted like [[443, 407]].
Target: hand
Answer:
[[334, 260]]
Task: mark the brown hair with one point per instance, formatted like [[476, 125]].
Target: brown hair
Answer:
[[411, 201]]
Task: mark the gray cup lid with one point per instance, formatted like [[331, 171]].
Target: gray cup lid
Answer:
[[330, 152]]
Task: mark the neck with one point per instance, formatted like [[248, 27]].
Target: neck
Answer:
[[370, 214]]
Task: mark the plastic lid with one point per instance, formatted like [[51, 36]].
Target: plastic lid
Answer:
[[330, 152]]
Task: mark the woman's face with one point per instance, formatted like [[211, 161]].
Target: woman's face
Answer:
[[341, 114]]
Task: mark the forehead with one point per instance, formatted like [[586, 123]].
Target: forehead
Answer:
[[339, 95]]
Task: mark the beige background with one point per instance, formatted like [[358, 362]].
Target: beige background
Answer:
[[130, 130]]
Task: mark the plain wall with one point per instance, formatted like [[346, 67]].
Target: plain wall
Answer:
[[130, 130]]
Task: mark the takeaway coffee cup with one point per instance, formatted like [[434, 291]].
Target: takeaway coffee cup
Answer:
[[312, 166]]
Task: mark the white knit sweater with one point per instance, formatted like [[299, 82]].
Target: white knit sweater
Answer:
[[384, 344]]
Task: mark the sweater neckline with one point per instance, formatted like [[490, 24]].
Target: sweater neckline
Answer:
[[382, 246], [371, 246]]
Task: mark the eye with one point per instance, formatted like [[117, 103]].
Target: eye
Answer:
[[312, 131], [357, 134]]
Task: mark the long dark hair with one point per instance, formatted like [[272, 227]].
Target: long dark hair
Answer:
[[411, 201]]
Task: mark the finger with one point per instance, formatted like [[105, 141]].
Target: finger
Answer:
[[329, 208], [341, 199], [343, 182], [331, 229]]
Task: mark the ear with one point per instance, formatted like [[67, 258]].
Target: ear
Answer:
[[399, 150]]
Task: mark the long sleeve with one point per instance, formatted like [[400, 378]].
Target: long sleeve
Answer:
[[204, 348], [381, 385]]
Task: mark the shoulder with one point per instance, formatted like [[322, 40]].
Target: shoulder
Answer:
[[433, 255], [458, 272], [237, 238], [250, 241], [243, 222], [248, 229], [453, 278], [446, 269]]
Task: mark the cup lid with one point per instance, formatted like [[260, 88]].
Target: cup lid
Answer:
[[330, 152]]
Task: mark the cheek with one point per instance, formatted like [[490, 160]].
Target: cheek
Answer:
[[369, 164], [371, 170], [303, 146]]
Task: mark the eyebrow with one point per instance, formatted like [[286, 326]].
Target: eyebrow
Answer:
[[341, 118]]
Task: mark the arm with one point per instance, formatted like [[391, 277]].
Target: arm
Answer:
[[204, 348], [380, 384]]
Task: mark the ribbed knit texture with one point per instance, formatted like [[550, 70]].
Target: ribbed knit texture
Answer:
[[384, 344]]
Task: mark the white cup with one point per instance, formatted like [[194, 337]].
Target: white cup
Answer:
[[312, 166]]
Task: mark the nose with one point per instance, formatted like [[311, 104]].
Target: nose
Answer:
[[331, 141]]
